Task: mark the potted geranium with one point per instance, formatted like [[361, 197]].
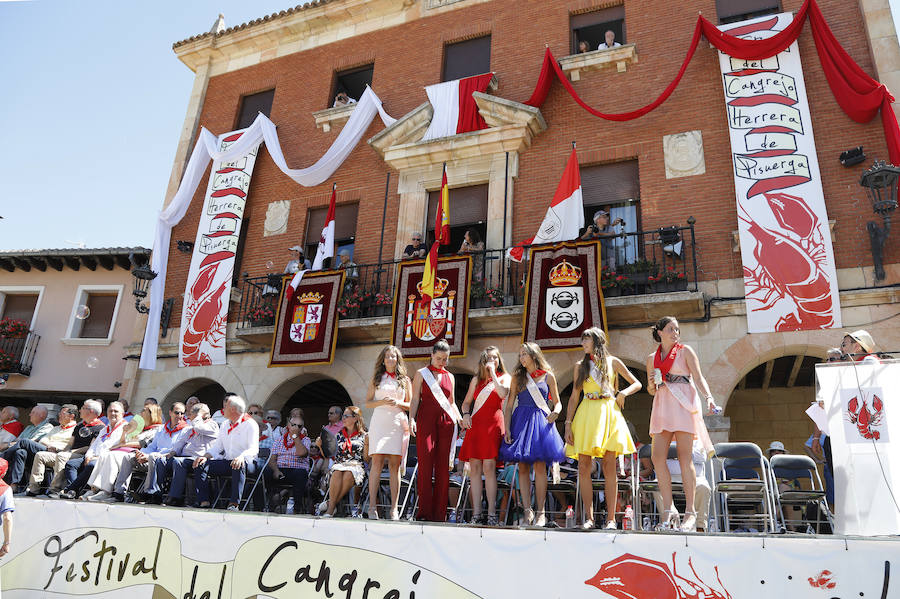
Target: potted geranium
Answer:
[[625, 284], [608, 282], [262, 315], [670, 280], [494, 296], [353, 301], [10, 328], [383, 304], [478, 296], [7, 361]]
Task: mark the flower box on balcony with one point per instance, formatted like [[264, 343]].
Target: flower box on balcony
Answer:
[[10, 328]]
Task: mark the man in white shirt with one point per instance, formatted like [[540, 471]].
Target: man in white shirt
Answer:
[[234, 451], [610, 37], [177, 464]]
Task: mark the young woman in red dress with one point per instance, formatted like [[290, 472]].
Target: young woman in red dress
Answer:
[[484, 422]]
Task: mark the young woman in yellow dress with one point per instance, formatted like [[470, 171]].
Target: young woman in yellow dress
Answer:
[[598, 429]]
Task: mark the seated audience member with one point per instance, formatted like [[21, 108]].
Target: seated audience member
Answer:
[[790, 513], [189, 404], [179, 462], [125, 406], [10, 427], [111, 435], [159, 444], [266, 436], [139, 431], [335, 422], [702, 489], [273, 419], [27, 441], [416, 248], [233, 452], [56, 439], [290, 459], [583, 47], [66, 462], [348, 469], [342, 99], [610, 37], [472, 244], [297, 262]]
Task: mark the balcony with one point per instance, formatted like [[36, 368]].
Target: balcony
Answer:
[[657, 276], [17, 354]]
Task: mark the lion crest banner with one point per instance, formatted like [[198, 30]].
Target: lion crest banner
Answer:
[[306, 324]]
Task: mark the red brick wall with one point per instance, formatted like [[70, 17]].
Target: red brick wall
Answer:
[[409, 57]]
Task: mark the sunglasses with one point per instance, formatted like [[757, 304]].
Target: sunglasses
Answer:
[[349, 415], [256, 413], [293, 424], [178, 413]]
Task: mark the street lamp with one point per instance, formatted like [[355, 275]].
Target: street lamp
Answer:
[[880, 182], [142, 278]]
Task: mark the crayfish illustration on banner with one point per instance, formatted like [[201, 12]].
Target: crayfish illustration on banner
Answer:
[[632, 577]]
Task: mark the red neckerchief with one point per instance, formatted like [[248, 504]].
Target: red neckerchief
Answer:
[[263, 437], [349, 445], [864, 356], [65, 428], [538, 373], [109, 431], [666, 365], [172, 431], [148, 427], [127, 414], [14, 427], [437, 370], [92, 423], [238, 423], [393, 375], [289, 441]]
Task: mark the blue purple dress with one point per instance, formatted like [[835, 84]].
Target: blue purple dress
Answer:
[[533, 438]]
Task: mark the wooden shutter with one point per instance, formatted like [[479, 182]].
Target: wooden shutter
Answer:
[[464, 59], [20, 306], [728, 9], [98, 323], [344, 223], [468, 205], [597, 17], [610, 183], [253, 104]]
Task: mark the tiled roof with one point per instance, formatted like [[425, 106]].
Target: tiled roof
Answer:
[[74, 258], [242, 26]]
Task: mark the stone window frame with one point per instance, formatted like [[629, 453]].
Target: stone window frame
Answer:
[[74, 325]]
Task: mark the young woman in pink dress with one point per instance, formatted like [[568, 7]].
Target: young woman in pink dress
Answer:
[[484, 424], [673, 379]]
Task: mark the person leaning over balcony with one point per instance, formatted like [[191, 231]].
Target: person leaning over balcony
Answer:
[[234, 451], [349, 266], [602, 230], [598, 429], [610, 41], [484, 429], [27, 442], [180, 460], [342, 99], [389, 393], [673, 379], [433, 417], [348, 469], [583, 47], [297, 262], [416, 248], [10, 427], [110, 436], [472, 244], [56, 439], [66, 462]]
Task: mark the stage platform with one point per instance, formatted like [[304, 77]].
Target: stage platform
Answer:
[[74, 548]]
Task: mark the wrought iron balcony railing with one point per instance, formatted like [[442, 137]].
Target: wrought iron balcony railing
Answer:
[[17, 354], [643, 262]]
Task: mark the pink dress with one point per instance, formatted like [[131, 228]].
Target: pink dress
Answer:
[[677, 407]]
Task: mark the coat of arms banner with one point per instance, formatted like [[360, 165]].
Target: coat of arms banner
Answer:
[[562, 297], [419, 323], [306, 325]]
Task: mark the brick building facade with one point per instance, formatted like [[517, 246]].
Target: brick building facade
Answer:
[[300, 54]]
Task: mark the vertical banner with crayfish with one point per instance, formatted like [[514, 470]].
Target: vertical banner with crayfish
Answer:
[[789, 274], [562, 296], [208, 289]]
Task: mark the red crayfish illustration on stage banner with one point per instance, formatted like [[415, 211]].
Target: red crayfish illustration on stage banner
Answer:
[[822, 580], [632, 577], [204, 321], [865, 420], [790, 265]]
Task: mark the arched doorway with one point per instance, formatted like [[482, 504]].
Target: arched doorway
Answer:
[[207, 391], [315, 398]]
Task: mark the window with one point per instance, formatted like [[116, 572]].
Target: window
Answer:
[[468, 210], [464, 59], [344, 230], [102, 302], [732, 11], [615, 188], [591, 27], [20, 306], [253, 104], [352, 82]]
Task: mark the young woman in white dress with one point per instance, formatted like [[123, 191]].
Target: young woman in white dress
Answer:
[[389, 393]]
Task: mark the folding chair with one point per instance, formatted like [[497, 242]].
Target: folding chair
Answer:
[[253, 480], [627, 485], [651, 487], [743, 483], [806, 490]]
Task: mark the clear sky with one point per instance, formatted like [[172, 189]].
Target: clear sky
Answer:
[[93, 100]]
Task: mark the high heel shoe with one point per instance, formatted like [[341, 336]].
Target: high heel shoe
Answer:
[[529, 517], [395, 514], [671, 521], [690, 522], [373, 513], [541, 519], [588, 525]]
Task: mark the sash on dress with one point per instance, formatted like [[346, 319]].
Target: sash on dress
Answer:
[[598, 378], [693, 406], [539, 400], [449, 408], [485, 392]]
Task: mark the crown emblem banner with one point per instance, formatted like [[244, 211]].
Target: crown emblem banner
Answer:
[[418, 322], [306, 324], [563, 297]]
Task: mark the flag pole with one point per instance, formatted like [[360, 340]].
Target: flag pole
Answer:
[[380, 269], [505, 215]]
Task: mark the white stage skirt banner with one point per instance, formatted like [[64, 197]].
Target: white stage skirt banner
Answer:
[[72, 549], [208, 290], [789, 274], [862, 401]]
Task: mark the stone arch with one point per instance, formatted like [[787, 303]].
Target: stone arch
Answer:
[[180, 384], [314, 393]]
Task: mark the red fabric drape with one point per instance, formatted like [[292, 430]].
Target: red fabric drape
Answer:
[[469, 117], [859, 96]]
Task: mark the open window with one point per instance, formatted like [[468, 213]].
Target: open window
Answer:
[[344, 231], [591, 27], [468, 210], [93, 316], [615, 187], [467, 58], [352, 82], [733, 11], [253, 104]]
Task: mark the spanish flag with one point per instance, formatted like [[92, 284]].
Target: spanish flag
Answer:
[[441, 237]]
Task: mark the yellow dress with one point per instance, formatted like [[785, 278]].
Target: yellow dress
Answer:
[[598, 425]]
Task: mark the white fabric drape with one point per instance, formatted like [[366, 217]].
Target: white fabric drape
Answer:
[[444, 98], [205, 150]]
